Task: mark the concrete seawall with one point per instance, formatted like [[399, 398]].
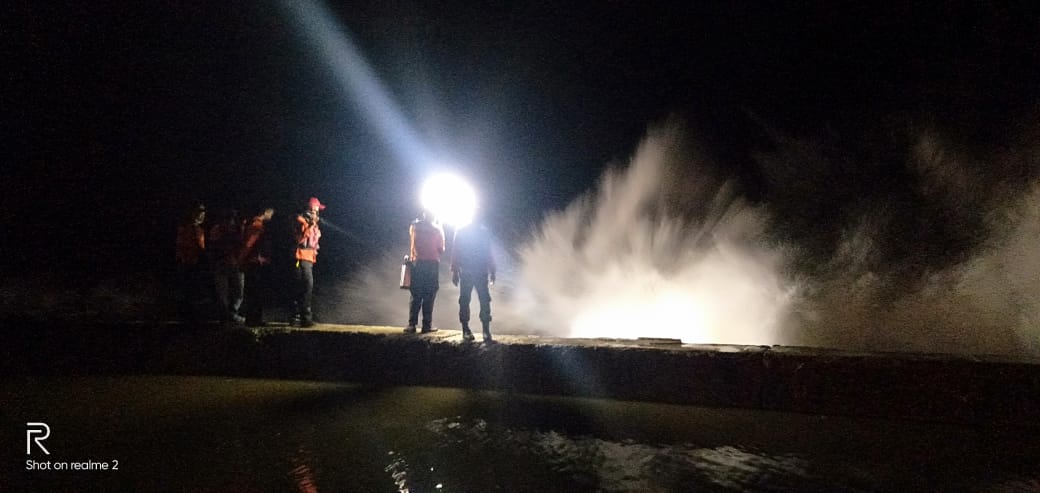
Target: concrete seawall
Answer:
[[945, 388]]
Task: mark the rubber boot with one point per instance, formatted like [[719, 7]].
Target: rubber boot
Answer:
[[487, 332]]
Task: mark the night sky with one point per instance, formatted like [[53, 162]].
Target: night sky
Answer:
[[118, 115]]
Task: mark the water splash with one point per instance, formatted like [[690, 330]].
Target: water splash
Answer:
[[660, 249], [946, 261], [962, 275]]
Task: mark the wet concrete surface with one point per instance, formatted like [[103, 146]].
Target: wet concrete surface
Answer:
[[984, 390]]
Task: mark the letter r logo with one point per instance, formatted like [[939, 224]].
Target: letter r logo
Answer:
[[32, 429]]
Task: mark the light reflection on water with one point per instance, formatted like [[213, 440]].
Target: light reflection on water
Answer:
[[625, 465], [213, 434]]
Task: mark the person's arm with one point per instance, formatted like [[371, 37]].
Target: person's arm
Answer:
[[411, 242], [491, 264], [454, 254], [252, 235], [306, 227], [455, 259]]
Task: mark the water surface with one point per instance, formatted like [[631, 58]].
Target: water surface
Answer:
[[221, 434]]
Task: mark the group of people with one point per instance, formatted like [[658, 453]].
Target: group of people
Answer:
[[236, 254], [472, 269]]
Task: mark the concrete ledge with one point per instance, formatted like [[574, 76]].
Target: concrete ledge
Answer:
[[979, 390]]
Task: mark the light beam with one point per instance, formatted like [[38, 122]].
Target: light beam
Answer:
[[357, 79]]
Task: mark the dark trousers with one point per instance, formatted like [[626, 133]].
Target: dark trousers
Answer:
[[425, 283], [304, 275], [253, 305], [467, 284], [228, 281], [192, 292]]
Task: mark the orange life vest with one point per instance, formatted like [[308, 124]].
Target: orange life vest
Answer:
[[307, 236]]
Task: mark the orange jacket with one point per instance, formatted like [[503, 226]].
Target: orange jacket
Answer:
[[250, 251], [427, 240], [307, 236], [191, 242], [223, 239]]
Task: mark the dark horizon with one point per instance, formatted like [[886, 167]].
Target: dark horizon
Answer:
[[121, 115]]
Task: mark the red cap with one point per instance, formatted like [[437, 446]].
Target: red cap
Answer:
[[313, 202]]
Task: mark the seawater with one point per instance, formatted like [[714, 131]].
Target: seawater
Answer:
[[180, 433]]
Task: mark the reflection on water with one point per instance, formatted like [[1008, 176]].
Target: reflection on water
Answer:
[[213, 434], [625, 465]]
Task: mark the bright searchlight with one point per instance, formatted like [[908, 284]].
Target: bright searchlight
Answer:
[[450, 199]]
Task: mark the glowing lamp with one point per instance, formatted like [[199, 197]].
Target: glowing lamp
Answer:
[[450, 199]]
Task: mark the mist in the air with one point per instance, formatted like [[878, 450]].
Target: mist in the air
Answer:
[[942, 258]]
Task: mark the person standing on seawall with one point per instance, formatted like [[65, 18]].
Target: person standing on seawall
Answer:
[[427, 245], [472, 268], [307, 235], [253, 256], [223, 238], [190, 247]]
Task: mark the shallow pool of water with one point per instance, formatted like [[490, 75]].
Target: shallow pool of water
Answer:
[[220, 434]]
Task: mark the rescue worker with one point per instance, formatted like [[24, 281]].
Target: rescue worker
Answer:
[[427, 245], [307, 235], [472, 268], [190, 246], [223, 238], [253, 256]]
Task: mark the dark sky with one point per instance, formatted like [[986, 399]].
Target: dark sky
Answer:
[[121, 113]]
